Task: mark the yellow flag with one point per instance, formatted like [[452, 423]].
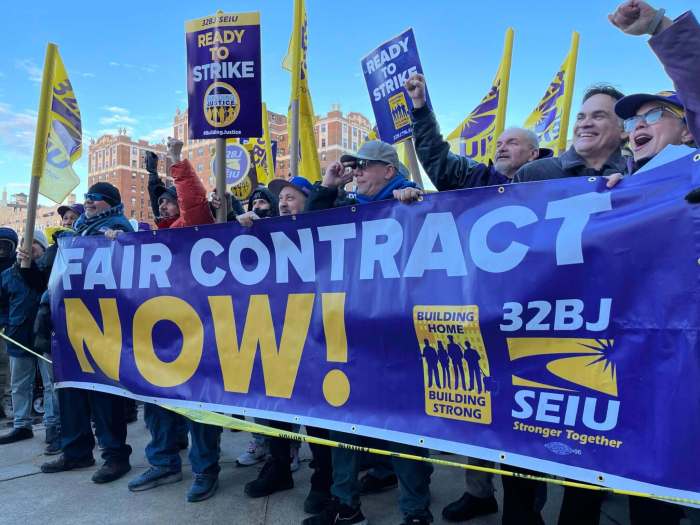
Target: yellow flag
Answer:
[[259, 151], [476, 136], [296, 63], [64, 129], [550, 119]]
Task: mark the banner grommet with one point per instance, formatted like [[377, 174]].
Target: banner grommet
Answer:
[[592, 179], [501, 189]]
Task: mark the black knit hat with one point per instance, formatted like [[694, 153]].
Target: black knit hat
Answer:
[[169, 193], [110, 193]]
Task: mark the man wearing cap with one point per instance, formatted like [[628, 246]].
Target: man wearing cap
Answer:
[[8, 245], [514, 148], [69, 214], [654, 122], [667, 118], [291, 194], [377, 171], [104, 215], [276, 474], [18, 308], [184, 204], [378, 175]]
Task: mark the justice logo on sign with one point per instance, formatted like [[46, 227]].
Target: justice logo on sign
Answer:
[[456, 374], [399, 110], [221, 104]]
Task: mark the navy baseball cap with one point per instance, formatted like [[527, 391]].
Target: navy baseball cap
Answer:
[[298, 183], [627, 106], [76, 208]]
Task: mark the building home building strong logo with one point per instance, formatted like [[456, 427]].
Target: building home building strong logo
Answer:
[[455, 365]]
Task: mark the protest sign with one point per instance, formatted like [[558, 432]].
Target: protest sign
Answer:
[[549, 325], [385, 70], [224, 76]]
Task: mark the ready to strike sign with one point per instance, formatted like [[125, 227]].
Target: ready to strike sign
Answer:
[[223, 76], [386, 69]]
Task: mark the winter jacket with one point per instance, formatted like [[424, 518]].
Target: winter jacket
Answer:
[[42, 325], [19, 303], [568, 164], [111, 219], [322, 198], [447, 170], [678, 49], [191, 197]]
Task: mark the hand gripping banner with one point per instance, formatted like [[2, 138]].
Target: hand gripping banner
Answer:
[[550, 325]]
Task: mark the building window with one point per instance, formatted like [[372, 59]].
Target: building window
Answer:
[[323, 128], [200, 151], [200, 168], [345, 128], [354, 132], [133, 174], [345, 144], [354, 146], [323, 143], [133, 164], [134, 150]]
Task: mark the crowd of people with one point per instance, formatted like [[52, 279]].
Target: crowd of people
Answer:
[[614, 136]]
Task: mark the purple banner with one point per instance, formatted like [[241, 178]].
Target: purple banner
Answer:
[[386, 69], [552, 325], [224, 76]]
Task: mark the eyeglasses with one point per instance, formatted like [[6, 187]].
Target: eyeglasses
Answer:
[[94, 197], [650, 117], [362, 164]]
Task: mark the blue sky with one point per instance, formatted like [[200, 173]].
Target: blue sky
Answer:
[[127, 60]]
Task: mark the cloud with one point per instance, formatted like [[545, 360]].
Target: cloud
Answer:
[[148, 68], [88, 75], [30, 68], [116, 109], [158, 134], [117, 119], [17, 129]]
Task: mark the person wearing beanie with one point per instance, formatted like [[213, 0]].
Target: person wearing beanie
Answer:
[[8, 245], [19, 303], [183, 205], [262, 204], [104, 215], [104, 212]]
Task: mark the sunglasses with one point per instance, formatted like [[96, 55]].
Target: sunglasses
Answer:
[[94, 197], [361, 164], [650, 117]]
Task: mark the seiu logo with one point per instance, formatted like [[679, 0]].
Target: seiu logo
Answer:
[[564, 379]]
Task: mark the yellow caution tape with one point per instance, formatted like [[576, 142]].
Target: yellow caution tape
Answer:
[[221, 420], [213, 418]]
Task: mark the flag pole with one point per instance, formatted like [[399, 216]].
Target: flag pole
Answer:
[[568, 91], [413, 161], [269, 162], [220, 163], [41, 139], [296, 78]]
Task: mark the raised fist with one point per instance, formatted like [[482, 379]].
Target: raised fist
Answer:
[[415, 86]]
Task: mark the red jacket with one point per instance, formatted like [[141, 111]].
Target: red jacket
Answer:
[[191, 198]]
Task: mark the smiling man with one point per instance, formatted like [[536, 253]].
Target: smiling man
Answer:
[[653, 122], [514, 148], [598, 135]]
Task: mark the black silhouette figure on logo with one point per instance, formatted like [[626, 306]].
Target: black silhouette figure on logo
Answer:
[[456, 356], [472, 357], [431, 359], [444, 360]]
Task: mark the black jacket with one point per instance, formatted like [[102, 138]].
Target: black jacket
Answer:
[[569, 164], [447, 170], [42, 326], [322, 198]]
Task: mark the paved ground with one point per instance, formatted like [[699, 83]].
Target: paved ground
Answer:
[[28, 496]]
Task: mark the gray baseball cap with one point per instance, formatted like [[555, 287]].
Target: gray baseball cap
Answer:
[[379, 151]]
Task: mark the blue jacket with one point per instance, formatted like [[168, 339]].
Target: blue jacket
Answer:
[[112, 219], [19, 303]]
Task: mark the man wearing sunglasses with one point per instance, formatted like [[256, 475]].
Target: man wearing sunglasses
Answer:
[[378, 176], [653, 122], [104, 215]]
